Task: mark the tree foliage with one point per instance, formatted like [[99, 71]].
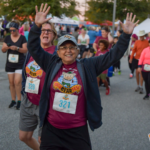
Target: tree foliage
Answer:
[[100, 10], [26, 8]]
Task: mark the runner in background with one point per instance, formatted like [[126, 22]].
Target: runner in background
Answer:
[[103, 49], [118, 64], [32, 85], [106, 35], [83, 42], [144, 67], [129, 52], [139, 46], [76, 33], [115, 66], [92, 34], [26, 29], [15, 45]]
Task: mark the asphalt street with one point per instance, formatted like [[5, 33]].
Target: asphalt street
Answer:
[[126, 116]]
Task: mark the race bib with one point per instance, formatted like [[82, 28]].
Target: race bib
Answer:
[[13, 58], [32, 85], [66, 103], [147, 67]]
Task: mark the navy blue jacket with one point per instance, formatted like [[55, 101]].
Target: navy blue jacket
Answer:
[[24, 76], [88, 69]]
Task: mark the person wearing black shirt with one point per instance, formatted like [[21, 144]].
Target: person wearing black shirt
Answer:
[[15, 45]]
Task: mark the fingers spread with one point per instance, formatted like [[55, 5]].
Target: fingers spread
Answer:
[[47, 19], [47, 10], [41, 7], [36, 9], [127, 18], [131, 16], [133, 19], [45, 7], [136, 23]]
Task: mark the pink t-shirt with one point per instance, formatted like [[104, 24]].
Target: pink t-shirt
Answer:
[[68, 81], [145, 58], [98, 53], [35, 71], [101, 38]]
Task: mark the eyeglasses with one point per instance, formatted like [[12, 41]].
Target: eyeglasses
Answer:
[[12, 30], [47, 31], [64, 48]]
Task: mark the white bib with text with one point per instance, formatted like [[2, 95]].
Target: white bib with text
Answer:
[[32, 85], [147, 67], [13, 58], [66, 103]]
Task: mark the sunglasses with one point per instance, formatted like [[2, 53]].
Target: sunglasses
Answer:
[[12, 30]]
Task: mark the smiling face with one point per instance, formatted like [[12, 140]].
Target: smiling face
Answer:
[[104, 34], [47, 35], [68, 55], [102, 46]]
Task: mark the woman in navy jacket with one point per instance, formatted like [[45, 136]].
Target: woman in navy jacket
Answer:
[[70, 83]]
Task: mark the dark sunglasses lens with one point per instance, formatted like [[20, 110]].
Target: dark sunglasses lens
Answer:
[[12, 30]]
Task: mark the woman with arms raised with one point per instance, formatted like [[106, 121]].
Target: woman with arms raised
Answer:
[[70, 94]]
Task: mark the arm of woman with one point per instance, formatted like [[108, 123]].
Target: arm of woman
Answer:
[[42, 57], [95, 46], [141, 59], [24, 48], [4, 47], [87, 41], [103, 62], [110, 38], [133, 52]]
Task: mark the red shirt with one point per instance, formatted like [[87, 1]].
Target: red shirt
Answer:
[[35, 71], [98, 53], [68, 84], [101, 38]]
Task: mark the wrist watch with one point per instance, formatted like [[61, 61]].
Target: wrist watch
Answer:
[[17, 48]]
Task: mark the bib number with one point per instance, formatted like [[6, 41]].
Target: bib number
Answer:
[[147, 67], [13, 58], [32, 85], [66, 103]]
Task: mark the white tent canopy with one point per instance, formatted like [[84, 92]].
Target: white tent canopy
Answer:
[[145, 25], [64, 20]]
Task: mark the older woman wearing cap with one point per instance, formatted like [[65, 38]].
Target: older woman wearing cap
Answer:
[[70, 94], [15, 45], [139, 46]]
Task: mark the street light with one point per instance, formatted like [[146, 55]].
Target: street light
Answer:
[[114, 16]]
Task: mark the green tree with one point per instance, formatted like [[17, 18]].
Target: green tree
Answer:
[[100, 10], [26, 8]]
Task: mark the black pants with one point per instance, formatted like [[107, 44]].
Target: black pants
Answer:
[[146, 77], [82, 49], [117, 65], [130, 66], [65, 139]]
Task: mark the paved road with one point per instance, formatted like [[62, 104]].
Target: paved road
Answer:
[[126, 117]]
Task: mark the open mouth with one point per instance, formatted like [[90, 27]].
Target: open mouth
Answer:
[[45, 37]]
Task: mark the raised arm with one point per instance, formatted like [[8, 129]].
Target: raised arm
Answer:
[[103, 62], [40, 56], [110, 38]]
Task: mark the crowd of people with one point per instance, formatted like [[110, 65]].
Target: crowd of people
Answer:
[[59, 84]]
